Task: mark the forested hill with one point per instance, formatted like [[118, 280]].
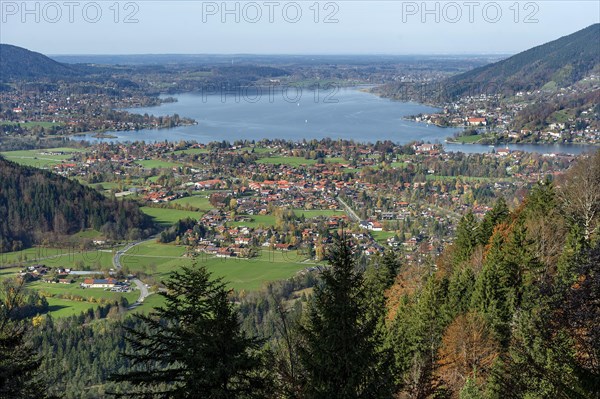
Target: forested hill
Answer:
[[37, 205], [17, 63], [558, 63]]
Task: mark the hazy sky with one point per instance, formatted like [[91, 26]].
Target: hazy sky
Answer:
[[290, 27]]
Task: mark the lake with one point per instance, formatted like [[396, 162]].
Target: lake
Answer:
[[296, 114]]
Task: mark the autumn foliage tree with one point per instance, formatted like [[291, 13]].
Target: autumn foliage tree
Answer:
[[468, 351]]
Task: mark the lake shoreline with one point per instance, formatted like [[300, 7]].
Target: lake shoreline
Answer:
[[350, 113]]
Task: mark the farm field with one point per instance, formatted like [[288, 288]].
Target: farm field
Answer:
[[88, 294], [467, 139], [313, 213], [55, 257], [64, 307], [151, 302], [8, 272], [257, 221], [158, 260], [199, 201], [37, 159], [168, 216], [251, 274], [248, 274]]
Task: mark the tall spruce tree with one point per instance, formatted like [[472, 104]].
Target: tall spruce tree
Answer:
[[467, 238], [193, 346], [19, 361], [341, 347], [498, 214]]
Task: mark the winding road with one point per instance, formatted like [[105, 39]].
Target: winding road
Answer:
[[139, 284]]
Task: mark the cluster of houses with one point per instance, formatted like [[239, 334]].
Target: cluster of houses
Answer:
[[61, 275], [47, 274]]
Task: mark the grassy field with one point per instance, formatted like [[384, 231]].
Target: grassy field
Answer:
[[152, 248], [37, 159], [168, 216], [151, 302], [9, 258], [55, 257], [59, 307], [382, 236], [252, 274], [89, 294], [257, 221], [313, 213], [248, 274], [196, 201], [161, 260], [8, 272], [467, 139], [296, 161]]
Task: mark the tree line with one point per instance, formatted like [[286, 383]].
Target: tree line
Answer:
[[37, 205]]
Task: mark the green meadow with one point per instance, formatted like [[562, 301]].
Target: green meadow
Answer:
[[58, 307], [382, 236], [196, 201], [59, 257], [37, 159], [248, 274], [257, 221], [313, 213], [75, 290], [168, 216]]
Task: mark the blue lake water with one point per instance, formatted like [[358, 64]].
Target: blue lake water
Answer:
[[292, 114]]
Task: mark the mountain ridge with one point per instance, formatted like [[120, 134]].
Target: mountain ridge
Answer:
[[17, 63], [558, 63]]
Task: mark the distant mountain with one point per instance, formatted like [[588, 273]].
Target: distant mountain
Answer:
[[17, 63], [556, 64], [37, 205]]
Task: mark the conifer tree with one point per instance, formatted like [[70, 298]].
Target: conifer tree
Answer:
[[467, 237], [19, 361], [340, 351], [498, 214], [193, 347]]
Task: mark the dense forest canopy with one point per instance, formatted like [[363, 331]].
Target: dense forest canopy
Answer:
[[37, 205]]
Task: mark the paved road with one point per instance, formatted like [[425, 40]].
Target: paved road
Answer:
[[117, 264], [348, 210], [117, 258], [143, 290]]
